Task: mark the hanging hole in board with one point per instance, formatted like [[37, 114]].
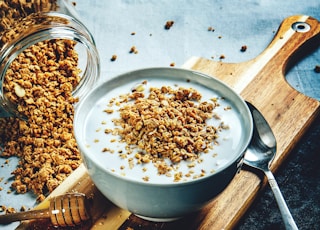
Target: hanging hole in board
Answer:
[[301, 27]]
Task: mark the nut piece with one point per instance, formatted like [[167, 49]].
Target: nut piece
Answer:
[[19, 91]]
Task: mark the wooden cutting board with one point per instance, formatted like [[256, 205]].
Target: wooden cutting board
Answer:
[[260, 81]]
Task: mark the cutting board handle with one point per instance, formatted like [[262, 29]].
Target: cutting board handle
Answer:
[[294, 33]]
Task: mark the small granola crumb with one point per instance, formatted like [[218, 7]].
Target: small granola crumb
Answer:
[[168, 25], [108, 111], [227, 108], [243, 48], [133, 49], [210, 28], [10, 210], [317, 69], [177, 176], [114, 57], [3, 208], [107, 150]]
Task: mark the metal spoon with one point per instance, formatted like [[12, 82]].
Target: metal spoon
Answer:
[[260, 153], [65, 210]]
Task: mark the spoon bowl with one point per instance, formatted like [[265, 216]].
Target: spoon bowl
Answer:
[[262, 148], [260, 154]]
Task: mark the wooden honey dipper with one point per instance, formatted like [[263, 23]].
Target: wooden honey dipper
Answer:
[[65, 210]]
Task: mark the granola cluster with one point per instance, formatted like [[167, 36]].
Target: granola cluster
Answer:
[[167, 124], [40, 81]]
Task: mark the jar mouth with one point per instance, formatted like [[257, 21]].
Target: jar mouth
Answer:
[[41, 27]]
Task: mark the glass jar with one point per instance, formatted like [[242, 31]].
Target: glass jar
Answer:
[[25, 24]]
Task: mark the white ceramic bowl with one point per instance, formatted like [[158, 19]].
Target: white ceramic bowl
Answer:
[[160, 198]]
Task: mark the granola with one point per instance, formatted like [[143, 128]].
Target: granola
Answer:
[[164, 124]]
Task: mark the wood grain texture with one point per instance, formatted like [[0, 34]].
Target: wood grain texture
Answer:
[[260, 81]]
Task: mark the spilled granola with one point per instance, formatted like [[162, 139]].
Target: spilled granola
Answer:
[[40, 82]]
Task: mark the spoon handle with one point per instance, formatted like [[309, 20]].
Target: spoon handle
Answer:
[[285, 212]]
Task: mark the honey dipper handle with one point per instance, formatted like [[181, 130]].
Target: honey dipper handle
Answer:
[[28, 215]]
